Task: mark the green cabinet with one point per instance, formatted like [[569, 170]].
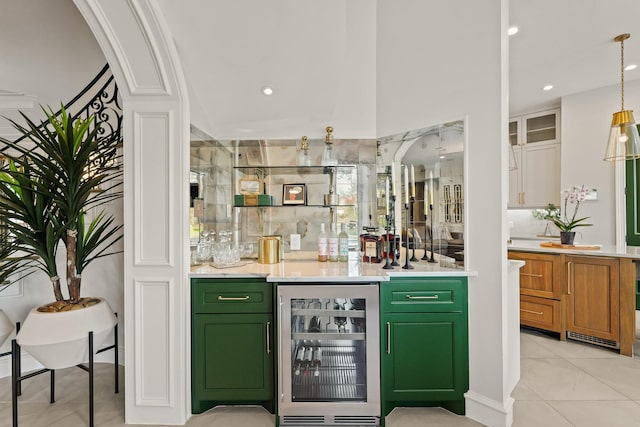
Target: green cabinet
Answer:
[[232, 341], [424, 343]]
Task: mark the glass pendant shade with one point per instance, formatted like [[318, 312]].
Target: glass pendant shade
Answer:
[[624, 141]]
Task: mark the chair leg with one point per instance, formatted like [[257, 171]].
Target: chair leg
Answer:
[[91, 379], [15, 352], [52, 386], [115, 356]]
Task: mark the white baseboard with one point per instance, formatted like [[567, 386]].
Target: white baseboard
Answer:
[[488, 411], [30, 364]]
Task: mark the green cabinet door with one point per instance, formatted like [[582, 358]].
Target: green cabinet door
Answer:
[[424, 357], [232, 359]]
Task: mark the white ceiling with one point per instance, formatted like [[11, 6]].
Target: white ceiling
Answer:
[[569, 44]]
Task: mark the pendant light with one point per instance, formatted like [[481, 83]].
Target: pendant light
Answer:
[[624, 141]]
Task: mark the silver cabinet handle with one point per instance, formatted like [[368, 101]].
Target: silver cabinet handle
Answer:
[[268, 337], [569, 278], [221, 298], [422, 297], [388, 338], [539, 313]]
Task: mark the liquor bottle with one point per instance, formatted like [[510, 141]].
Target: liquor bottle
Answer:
[[323, 247], [343, 243], [370, 245], [333, 243]]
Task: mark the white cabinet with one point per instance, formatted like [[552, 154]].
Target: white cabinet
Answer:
[[535, 141]]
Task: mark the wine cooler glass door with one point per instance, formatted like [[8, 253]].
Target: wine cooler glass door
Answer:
[[329, 344]]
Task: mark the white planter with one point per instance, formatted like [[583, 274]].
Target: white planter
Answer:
[[6, 327], [60, 340]]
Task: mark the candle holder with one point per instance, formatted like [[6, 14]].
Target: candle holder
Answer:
[[426, 240], [390, 251], [413, 237], [431, 238], [396, 245], [407, 265]]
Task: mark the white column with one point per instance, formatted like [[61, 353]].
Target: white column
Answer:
[[135, 41]]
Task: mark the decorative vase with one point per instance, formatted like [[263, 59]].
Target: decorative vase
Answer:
[[60, 340], [566, 237]]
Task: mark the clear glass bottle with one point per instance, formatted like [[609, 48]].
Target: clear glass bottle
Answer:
[[323, 247], [333, 243], [343, 243]]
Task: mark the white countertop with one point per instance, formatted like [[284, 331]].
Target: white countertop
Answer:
[[301, 270], [605, 250]]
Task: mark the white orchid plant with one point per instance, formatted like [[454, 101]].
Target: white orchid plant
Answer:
[[567, 221]]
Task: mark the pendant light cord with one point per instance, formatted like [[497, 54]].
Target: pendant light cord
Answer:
[[622, 73]]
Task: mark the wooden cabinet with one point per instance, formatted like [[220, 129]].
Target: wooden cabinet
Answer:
[[424, 343], [535, 141], [593, 298], [541, 291], [232, 343], [586, 298]]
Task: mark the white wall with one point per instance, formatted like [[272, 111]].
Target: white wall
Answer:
[[586, 119], [47, 51], [424, 52]]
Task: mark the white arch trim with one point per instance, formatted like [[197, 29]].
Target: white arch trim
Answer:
[[137, 44]]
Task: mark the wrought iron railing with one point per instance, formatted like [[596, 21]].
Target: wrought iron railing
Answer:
[[99, 98]]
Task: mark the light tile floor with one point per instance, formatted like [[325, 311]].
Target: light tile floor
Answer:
[[562, 384]]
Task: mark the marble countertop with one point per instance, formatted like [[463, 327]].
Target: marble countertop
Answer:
[[605, 250], [306, 270]]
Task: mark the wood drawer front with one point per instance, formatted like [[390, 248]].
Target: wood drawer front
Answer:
[[540, 313], [231, 296], [540, 275], [424, 295]]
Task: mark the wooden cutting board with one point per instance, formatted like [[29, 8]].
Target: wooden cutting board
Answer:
[[561, 246]]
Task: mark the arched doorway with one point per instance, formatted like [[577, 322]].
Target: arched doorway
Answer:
[[135, 42]]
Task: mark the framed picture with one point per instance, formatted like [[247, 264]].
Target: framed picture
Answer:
[[250, 186], [294, 194]]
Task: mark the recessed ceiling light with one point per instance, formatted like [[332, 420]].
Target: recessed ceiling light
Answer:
[[547, 87], [512, 30], [267, 90], [630, 67], [442, 157]]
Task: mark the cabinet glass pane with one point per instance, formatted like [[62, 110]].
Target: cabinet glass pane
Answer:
[[513, 133], [328, 349], [541, 128]]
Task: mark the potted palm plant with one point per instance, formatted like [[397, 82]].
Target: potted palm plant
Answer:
[[47, 188]]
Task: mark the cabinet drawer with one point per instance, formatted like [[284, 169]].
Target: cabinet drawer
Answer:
[[231, 296], [540, 313], [540, 275], [424, 295]]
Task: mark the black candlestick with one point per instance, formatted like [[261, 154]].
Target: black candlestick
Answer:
[[413, 237], [390, 251], [431, 214], [407, 265], [396, 250], [425, 257]]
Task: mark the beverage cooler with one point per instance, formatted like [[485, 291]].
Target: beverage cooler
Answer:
[[329, 347]]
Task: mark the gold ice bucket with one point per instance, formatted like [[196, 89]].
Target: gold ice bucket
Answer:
[[269, 249]]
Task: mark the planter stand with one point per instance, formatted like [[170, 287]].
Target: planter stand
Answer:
[[17, 378]]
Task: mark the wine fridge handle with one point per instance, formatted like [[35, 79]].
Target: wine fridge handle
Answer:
[[268, 337], [388, 338]]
